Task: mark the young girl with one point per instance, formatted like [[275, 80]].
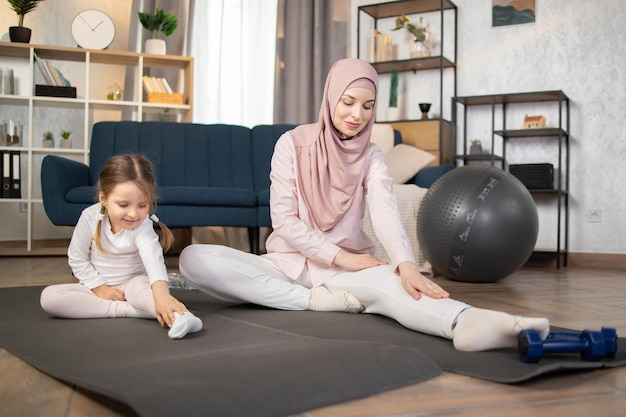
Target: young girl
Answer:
[[116, 255], [318, 257]]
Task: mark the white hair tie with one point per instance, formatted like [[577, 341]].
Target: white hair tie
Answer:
[[154, 218], [101, 216]]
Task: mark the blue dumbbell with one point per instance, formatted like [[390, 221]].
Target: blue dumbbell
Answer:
[[592, 345], [609, 334]]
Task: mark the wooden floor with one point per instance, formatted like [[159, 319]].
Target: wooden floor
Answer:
[[574, 298]]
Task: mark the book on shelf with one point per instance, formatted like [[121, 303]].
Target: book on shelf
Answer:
[[6, 174], [167, 86], [11, 174], [44, 70], [16, 182], [379, 47], [50, 73], [156, 85]]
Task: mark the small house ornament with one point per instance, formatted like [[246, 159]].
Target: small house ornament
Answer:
[[534, 122]]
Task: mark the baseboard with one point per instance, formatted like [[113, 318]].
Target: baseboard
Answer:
[[182, 238], [597, 260], [580, 260]]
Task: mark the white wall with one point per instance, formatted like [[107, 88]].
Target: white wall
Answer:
[[574, 46]]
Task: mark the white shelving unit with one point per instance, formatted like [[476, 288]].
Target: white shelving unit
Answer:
[[92, 72]]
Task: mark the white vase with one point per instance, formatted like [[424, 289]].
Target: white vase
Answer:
[[393, 113], [47, 143], [155, 46], [65, 143]]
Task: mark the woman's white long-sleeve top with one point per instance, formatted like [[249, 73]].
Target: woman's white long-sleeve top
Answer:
[[295, 243]]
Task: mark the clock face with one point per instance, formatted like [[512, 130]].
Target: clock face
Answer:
[[93, 29]]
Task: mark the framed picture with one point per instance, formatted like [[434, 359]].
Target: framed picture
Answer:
[[513, 12]]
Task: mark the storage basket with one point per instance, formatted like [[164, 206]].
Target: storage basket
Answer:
[[167, 98]]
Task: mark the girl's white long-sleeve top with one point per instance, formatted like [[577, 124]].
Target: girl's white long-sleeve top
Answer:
[[295, 244], [129, 252]]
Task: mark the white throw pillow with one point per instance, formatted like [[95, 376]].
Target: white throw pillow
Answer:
[[382, 135], [404, 161]]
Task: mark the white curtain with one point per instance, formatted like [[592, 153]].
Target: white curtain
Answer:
[[233, 43]]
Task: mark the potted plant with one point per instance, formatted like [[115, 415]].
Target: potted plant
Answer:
[[20, 33], [476, 148], [393, 111], [421, 38], [158, 23], [66, 142], [48, 140], [425, 108]]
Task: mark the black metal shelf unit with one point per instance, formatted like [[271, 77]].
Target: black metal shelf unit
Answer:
[[441, 63], [560, 134]]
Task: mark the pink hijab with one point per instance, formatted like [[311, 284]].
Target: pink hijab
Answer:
[[329, 168]]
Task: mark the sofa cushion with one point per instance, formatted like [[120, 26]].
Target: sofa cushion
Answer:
[[404, 161], [206, 196], [84, 194], [264, 138], [194, 196], [183, 154], [264, 198]]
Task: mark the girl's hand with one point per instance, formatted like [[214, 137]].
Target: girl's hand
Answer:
[[109, 293], [165, 304], [356, 261], [415, 283]]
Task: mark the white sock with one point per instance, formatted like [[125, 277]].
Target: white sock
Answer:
[[478, 329], [323, 299], [183, 324], [136, 313]]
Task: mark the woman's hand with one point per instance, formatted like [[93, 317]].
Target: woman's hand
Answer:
[[109, 293], [165, 304], [356, 261], [415, 283]]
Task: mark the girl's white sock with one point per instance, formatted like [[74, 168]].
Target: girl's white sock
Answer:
[[478, 329], [183, 324], [323, 299]]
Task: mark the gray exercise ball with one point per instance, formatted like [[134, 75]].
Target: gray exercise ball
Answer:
[[477, 223]]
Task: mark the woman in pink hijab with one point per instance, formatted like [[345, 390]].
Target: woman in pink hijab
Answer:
[[318, 258]]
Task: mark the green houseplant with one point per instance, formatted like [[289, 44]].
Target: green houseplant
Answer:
[[393, 92], [47, 140], [421, 37], [66, 142], [393, 111], [20, 33], [158, 23], [476, 147]]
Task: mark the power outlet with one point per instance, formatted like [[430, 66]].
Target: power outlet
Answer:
[[23, 207], [594, 216]]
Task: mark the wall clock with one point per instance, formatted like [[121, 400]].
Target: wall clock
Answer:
[[93, 29]]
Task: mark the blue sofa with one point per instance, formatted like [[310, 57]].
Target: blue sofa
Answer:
[[207, 175]]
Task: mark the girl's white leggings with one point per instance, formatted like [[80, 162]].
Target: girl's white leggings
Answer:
[[75, 301], [236, 276]]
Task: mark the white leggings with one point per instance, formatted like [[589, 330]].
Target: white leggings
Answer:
[[235, 276], [75, 301]]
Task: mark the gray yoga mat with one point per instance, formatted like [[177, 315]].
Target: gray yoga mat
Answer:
[[248, 360], [231, 368], [501, 365]]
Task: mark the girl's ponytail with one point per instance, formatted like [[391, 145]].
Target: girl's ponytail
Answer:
[[167, 237], [96, 236]]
